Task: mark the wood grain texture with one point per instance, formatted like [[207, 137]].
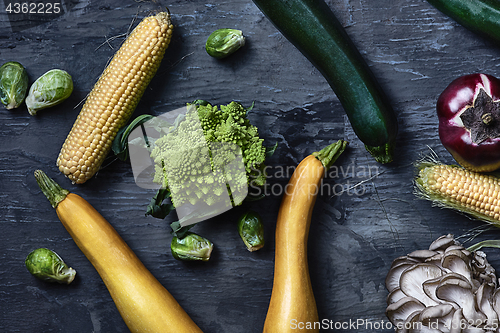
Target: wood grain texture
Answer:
[[413, 50]]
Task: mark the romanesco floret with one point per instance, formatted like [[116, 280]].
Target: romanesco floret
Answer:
[[230, 124], [198, 160]]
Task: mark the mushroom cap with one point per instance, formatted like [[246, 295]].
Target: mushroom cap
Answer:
[[411, 281], [422, 254], [392, 278], [458, 291], [484, 295], [442, 242], [434, 313], [398, 312], [457, 262]]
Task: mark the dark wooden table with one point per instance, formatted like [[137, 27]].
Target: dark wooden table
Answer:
[[414, 51]]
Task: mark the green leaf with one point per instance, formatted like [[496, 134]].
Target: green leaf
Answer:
[[120, 143], [487, 243], [250, 107], [271, 150], [179, 231], [157, 208], [201, 102]]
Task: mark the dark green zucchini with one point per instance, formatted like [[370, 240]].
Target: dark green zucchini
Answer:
[[480, 16], [312, 27]]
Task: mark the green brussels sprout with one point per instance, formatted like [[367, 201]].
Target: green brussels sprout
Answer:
[[191, 247], [251, 230], [13, 84], [223, 42], [48, 90], [48, 266]]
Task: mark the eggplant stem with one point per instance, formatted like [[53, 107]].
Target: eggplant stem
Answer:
[[487, 118]]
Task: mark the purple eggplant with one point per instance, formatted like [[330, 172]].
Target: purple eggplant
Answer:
[[469, 121]]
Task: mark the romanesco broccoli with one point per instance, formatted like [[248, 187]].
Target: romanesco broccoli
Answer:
[[198, 160]]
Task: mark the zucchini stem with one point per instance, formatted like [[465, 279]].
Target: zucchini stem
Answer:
[[382, 154], [50, 188], [328, 155]]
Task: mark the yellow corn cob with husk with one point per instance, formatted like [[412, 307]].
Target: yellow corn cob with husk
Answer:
[[451, 186], [114, 98]]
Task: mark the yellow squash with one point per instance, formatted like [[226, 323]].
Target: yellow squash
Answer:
[[144, 304], [293, 307]]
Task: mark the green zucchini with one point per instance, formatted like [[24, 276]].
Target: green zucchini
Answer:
[[479, 16], [311, 26]]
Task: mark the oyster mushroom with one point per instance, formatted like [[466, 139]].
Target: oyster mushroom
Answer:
[[484, 296], [437, 316], [411, 321], [457, 322], [445, 288], [460, 292], [483, 271], [456, 261], [399, 311], [412, 278], [429, 287], [442, 242], [422, 254], [495, 301], [395, 296], [392, 279]]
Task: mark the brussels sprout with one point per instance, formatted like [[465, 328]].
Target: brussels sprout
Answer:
[[13, 84], [191, 247], [48, 90], [48, 266], [223, 42], [251, 230]]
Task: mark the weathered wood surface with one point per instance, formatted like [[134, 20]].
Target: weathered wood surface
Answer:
[[413, 50]]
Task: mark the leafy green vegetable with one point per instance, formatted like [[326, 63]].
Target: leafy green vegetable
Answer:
[[251, 230], [208, 139], [191, 247], [49, 266], [48, 90], [13, 84], [223, 42], [194, 149]]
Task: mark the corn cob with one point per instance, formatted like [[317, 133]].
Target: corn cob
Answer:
[[114, 98], [469, 192]]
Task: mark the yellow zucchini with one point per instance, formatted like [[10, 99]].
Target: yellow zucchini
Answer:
[[292, 307], [144, 304]]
